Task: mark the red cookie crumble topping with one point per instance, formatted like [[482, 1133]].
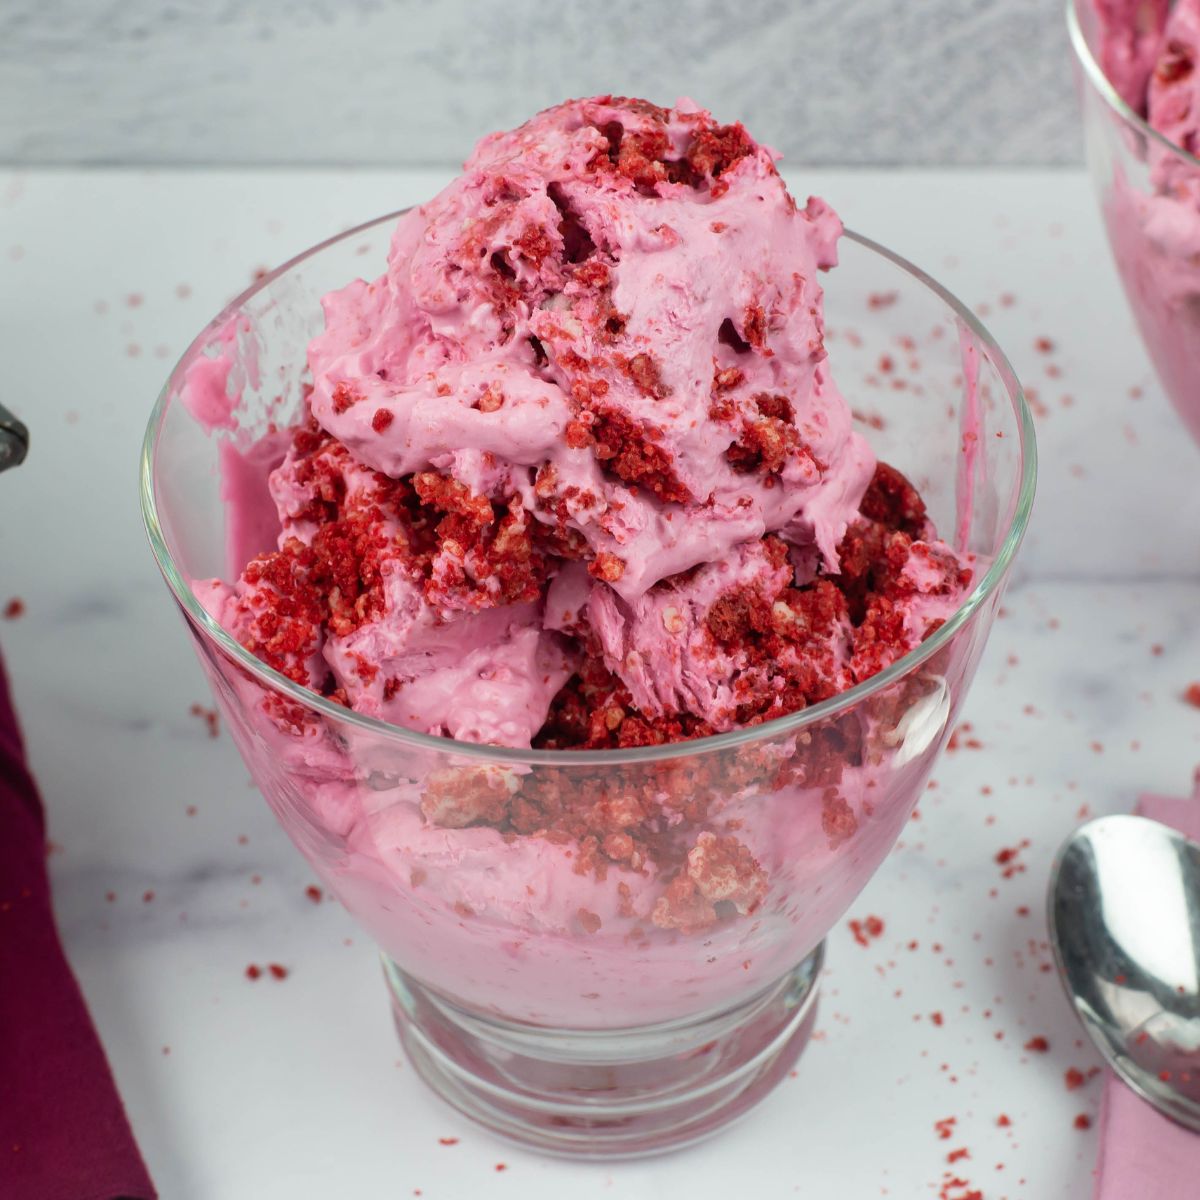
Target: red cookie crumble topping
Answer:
[[632, 453], [457, 798], [719, 871]]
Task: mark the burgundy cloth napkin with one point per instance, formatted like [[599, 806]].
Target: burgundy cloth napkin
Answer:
[[63, 1131], [1144, 1155]]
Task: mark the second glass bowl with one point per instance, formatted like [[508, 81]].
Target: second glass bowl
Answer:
[[1149, 192]]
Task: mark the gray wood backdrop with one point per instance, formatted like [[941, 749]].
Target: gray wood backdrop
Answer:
[[395, 82]]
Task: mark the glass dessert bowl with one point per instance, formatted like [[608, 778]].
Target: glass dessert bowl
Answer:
[[1149, 193], [579, 1006]]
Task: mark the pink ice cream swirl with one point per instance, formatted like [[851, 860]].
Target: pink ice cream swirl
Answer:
[[593, 368]]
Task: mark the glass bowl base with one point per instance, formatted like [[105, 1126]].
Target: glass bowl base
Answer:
[[604, 1094]]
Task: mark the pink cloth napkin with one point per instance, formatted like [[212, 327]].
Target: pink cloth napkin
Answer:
[[1144, 1155], [63, 1131]]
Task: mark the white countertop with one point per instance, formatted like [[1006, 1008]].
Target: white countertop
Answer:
[[171, 876]]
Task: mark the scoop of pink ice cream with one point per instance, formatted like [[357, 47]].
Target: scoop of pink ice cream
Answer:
[[1173, 96], [573, 470], [1155, 229]]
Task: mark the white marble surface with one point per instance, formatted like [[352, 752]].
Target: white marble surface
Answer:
[[245, 1090], [405, 82]]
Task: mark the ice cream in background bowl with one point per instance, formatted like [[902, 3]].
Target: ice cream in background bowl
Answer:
[[590, 591], [1138, 83]]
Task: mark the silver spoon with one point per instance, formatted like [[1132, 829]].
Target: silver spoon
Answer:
[[1125, 926]]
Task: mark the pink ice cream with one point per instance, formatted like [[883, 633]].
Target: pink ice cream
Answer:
[[1173, 94], [1131, 44], [581, 441], [573, 473], [1154, 225]]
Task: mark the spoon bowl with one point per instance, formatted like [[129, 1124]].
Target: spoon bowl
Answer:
[[1124, 917]]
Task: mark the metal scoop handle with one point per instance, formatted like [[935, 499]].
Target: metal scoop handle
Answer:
[[14, 440]]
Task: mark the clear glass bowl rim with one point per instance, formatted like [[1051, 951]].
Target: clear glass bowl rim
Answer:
[[1111, 96], [794, 722]]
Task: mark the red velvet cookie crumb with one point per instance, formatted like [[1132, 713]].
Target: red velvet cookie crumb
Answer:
[[633, 454], [646, 374], [456, 798], [894, 503]]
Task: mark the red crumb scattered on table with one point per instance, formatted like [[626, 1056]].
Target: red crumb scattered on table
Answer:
[[14, 608], [1192, 694], [1083, 1121], [1006, 859], [1073, 1078], [866, 930], [502, 1166], [277, 971], [314, 893], [954, 1188], [448, 1141], [945, 1127], [253, 971], [209, 716], [937, 1018], [1037, 1045], [1004, 1121], [1043, 345], [878, 300], [147, 895], [958, 1155]]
